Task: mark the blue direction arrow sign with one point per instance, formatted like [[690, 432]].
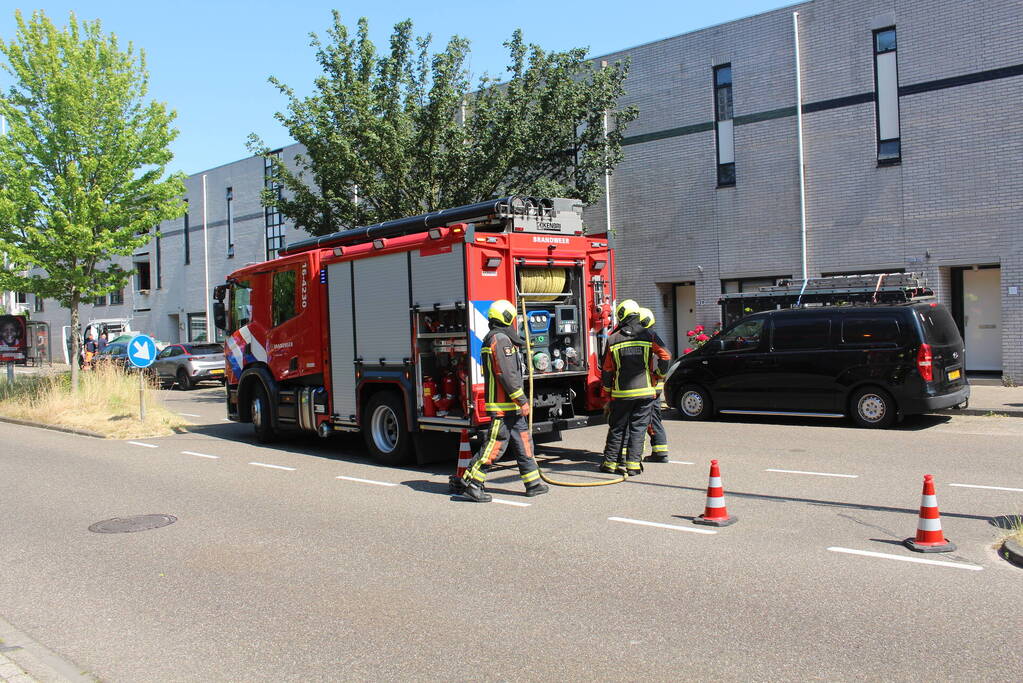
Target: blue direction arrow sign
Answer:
[[142, 351]]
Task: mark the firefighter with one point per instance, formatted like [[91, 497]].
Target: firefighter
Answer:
[[634, 361], [658, 437], [506, 404]]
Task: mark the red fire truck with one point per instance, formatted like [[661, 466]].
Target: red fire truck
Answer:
[[379, 329]]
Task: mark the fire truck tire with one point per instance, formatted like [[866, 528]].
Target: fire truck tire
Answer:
[[385, 431], [262, 420]]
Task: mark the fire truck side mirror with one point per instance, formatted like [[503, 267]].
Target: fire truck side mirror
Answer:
[[219, 315]]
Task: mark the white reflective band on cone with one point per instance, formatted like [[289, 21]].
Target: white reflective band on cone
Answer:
[[714, 481], [716, 502], [929, 502], [929, 524]]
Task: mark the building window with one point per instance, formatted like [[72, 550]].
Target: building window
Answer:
[[159, 268], [117, 297], [750, 284], [188, 246], [20, 298], [723, 125], [274, 221], [197, 327], [38, 308], [283, 297], [886, 85], [142, 279], [100, 300], [230, 222]]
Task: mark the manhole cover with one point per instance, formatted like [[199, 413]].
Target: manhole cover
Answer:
[[124, 525]]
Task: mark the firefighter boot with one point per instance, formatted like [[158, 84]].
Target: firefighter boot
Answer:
[[539, 488], [656, 457], [475, 493]]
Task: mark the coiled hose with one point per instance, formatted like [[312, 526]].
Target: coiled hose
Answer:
[[529, 355]]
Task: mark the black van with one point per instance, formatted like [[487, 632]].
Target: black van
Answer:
[[872, 363]]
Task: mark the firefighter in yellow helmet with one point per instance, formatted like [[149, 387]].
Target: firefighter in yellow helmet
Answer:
[[506, 404], [658, 437], [634, 361]]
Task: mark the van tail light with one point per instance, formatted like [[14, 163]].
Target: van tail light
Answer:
[[925, 362]]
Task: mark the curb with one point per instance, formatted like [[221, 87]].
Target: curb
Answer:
[[39, 662], [53, 428], [1013, 552], [979, 413]]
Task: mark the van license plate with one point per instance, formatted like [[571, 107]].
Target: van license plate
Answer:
[[221, 372], [955, 374]]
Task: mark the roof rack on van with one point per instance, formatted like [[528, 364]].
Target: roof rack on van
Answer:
[[837, 290]]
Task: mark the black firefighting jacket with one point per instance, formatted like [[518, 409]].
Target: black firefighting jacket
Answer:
[[634, 363], [502, 372]]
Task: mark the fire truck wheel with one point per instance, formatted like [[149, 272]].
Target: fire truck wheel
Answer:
[[262, 422], [384, 429]]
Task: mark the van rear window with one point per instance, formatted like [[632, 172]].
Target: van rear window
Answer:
[[938, 326], [800, 333], [870, 331]]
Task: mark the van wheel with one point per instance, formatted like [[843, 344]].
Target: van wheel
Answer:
[[384, 429], [873, 408], [694, 403], [262, 421]]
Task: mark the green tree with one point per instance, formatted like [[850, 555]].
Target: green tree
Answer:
[[404, 132], [82, 168]]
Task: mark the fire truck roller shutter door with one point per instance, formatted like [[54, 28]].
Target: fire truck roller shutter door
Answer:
[[382, 305], [437, 278], [342, 339], [543, 281]]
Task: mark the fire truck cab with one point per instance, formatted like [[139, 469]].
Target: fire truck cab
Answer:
[[379, 329]]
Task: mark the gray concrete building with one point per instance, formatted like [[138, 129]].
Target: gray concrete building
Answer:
[[912, 146]]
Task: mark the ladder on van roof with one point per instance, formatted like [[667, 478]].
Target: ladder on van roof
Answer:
[[836, 290]]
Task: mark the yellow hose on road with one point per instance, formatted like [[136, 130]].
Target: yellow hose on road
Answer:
[[529, 355]]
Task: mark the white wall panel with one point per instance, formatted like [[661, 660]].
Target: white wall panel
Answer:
[[726, 142], [887, 96]]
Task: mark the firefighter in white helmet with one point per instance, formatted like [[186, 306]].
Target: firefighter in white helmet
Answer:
[[634, 361], [506, 404]]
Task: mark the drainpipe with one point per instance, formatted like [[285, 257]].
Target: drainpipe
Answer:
[[799, 138]]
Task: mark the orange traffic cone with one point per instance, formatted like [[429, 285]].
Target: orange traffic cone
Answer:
[[715, 513], [929, 537], [464, 458]]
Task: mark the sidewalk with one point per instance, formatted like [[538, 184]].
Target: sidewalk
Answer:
[[12, 673], [988, 399]]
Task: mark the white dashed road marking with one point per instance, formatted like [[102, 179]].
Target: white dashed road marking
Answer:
[[661, 526], [273, 467], [367, 481], [147, 445], [819, 474], [993, 488], [681, 462], [918, 560], [512, 502], [189, 414], [200, 455]]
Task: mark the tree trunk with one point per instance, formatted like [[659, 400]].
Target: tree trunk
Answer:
[[75, 342]]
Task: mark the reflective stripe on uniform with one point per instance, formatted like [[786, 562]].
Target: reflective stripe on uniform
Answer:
[[660, 448], [516, 394], [645, 392], [530, 476]]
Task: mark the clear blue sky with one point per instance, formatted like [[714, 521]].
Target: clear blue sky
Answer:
[[210, 60]]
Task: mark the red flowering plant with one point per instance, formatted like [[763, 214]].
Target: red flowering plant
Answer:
[[698, 337]]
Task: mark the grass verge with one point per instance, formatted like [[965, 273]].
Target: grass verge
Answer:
[[107, 402], [1014, 529]]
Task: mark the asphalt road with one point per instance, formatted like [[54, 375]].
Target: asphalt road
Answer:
[[292, 573]]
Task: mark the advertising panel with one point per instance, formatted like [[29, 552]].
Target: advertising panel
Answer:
[[13, 339]]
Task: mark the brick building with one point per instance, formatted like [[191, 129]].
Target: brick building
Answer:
[[912, 140], [912, 150]]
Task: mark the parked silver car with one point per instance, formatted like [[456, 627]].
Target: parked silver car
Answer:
[[188, 364]]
